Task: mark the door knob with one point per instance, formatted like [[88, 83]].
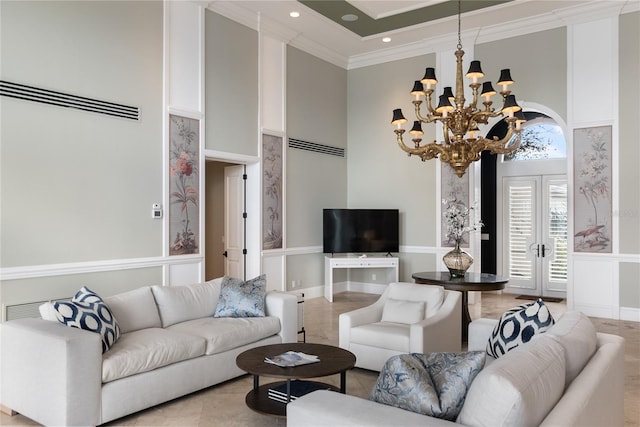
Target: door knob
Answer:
[[225, 254]]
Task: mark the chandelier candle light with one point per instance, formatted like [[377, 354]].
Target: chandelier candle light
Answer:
[[461, 146]]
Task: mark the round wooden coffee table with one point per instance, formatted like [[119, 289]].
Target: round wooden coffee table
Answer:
[[333, 360]]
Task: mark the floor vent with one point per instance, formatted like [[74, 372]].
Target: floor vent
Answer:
[[316, 148], [60, 99]]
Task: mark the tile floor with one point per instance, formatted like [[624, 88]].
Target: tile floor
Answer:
[[223, 405]]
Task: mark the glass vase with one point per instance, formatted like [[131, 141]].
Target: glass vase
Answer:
[[457, 261]]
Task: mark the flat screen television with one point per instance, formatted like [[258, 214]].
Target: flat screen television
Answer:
[[360, 230]]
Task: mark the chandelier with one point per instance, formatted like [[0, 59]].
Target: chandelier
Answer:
[[461, 146]]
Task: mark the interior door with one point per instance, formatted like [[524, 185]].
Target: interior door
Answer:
[[535, 235], [234, 221]]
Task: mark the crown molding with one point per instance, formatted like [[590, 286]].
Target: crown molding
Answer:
[[271, 28], [558, 18], [320, 51], [585, 12], [592, 11], [237, 13]]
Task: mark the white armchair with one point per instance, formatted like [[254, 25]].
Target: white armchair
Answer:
[[407, 318]]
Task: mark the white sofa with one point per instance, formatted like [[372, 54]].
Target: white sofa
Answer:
[[170, 346], [567, 376], [407, 318]]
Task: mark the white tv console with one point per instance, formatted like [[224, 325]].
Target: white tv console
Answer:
[[347, 262]]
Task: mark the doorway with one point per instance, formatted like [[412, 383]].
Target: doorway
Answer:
[[524, 209], [224, 225]]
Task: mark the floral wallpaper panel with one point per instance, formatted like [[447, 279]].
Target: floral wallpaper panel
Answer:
[[592, 189], [184, 185], [272, 203]]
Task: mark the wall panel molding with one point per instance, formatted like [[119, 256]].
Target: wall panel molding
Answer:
[[49, 270]]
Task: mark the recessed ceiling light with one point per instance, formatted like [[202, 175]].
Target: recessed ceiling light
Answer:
[[294, 14], [386, 39], [349, 17]]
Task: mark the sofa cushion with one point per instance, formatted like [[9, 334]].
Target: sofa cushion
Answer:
[[432, 295], [519, 388], [225, 333], [517, 326], [399, 311], [88, 311], [135, 309], [433, 384], [575, 332], [147, 349], [181, 303], [239, 298], [392, 336]]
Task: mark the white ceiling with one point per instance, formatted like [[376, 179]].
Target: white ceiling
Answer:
[[328, 40]]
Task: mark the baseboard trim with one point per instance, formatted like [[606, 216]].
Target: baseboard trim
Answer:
[[630, 314]]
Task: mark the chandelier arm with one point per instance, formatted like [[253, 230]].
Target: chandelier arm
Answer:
[[404, 147], [498, 146], [430, 109], [432, 150], [429, 118], [483, 116]]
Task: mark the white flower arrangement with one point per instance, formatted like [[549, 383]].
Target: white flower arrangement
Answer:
[[458, 219]]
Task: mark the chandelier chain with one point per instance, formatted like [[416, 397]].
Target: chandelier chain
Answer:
[[459, 13]]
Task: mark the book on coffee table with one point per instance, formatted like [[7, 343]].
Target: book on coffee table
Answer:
[[292, 358], [298, 389]]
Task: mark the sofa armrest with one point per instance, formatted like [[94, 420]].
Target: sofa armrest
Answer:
[[51, 373], [596, 396], [330, 409], [479, 332], [362, 316], [285, 307], [442, 331]]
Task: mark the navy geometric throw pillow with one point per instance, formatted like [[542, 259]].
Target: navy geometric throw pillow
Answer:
[[89, 312], [517, 326]]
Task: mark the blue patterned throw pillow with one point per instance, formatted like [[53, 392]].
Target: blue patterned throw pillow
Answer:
[[517, 326], [433, 384], [242, 299], [88, 311]]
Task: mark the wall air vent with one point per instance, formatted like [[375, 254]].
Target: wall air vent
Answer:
[[317, 148], [22, 311], [60, 99]]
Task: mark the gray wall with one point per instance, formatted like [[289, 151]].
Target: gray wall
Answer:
[[231, 82], [538, 64], [380, 173], [316, 112], [629, 155], [629, 284], [78, 186]]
